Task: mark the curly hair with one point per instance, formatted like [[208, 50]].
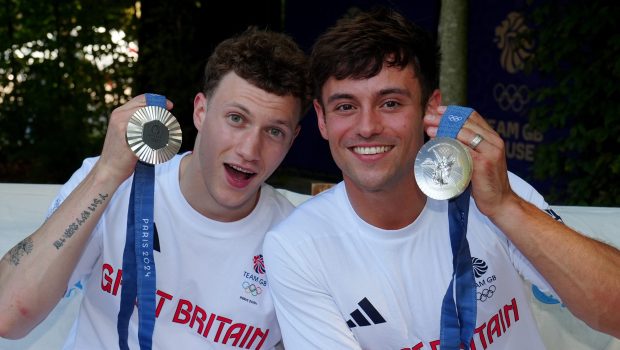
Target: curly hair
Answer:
[[357, 47], [269, 60]]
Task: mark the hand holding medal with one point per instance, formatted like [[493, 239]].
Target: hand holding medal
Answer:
[[153, 133], [490, 186], [443, 167]]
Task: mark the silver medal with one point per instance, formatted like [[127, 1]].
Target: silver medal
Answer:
[[443, 168], [154, 135]]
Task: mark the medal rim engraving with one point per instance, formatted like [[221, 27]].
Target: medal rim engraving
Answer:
[[135, 140], [452, 189]]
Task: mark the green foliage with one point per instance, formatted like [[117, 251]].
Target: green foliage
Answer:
[[61, 73], [63, 69], [578, 50]]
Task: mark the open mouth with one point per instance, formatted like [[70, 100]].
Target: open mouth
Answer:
[[371, 150], [238, 173]]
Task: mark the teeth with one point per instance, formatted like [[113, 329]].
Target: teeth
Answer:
[[240, 169], [371, 150]]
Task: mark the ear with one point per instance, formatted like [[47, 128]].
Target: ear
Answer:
[[200, 109], [295, 134], [433, 102], [320, 117]]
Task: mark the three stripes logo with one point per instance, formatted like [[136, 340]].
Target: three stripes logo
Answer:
[[374, 317]]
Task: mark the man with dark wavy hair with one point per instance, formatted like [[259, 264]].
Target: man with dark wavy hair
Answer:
[[211, 211], [368, 264]]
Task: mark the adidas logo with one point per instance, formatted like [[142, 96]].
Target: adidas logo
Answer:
[[360, 320]]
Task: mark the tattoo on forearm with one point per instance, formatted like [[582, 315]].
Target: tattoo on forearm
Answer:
[[22, 248], [74, 226]]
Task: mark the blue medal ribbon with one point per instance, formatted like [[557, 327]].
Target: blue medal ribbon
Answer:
[[138, 279], [458, 320]]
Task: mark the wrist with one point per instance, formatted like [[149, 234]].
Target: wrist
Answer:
[[510, 209], [106, 174]]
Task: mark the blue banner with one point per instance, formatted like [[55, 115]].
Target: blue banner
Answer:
[[498, 86]]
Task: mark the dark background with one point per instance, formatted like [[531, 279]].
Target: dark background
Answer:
[[557, 111]]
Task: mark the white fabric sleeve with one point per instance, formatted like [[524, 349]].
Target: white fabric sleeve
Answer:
[[93, 246], [75, 179], [520, 262], [306, 312]]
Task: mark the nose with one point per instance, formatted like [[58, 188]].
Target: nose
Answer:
[[249, 146], [370, 123]]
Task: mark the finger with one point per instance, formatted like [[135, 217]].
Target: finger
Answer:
[[475, 122], [432, 131], [472, 128], [487, 144], [139, 101], [490, 140], [432, 117], [431, 121], [479, 120], [135, 103], [475, 125]]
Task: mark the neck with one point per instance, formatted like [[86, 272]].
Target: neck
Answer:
[[388, 209], [199, 197]]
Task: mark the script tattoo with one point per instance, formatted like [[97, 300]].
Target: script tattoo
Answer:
[[22, 248], [79, 221]]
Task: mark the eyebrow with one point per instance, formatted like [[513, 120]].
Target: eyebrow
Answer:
[[398, 91], [339, 96], [283, 123], [242, 107], [277, 121], [382, 92]]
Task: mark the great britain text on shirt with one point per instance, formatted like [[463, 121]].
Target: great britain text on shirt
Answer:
[[486, 333], [218, 328]]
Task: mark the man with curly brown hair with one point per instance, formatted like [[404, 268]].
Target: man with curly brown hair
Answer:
[[211, 211]]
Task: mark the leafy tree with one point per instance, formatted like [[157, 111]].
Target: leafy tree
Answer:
[[578, 50], [63, 66]]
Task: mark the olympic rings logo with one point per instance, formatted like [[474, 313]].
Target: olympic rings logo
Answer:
[[454, 118], [511, 97], [486, 293], [251, 288]]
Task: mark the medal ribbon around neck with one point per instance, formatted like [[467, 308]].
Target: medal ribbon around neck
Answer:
[[154, 136], [443, 170]]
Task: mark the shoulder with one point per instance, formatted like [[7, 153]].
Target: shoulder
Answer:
[[271, 209], [325, 206], [275, 200], [171, 167], [526, 191], [522, 189], [313, 231], [328, 200], [87, 165], [321, 215], [75, 179]]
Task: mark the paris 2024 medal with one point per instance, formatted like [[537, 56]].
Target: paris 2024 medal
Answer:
[[154, 135], [443, 168]]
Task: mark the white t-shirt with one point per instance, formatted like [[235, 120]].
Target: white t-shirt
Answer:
[[340, 283], [212, 292]]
